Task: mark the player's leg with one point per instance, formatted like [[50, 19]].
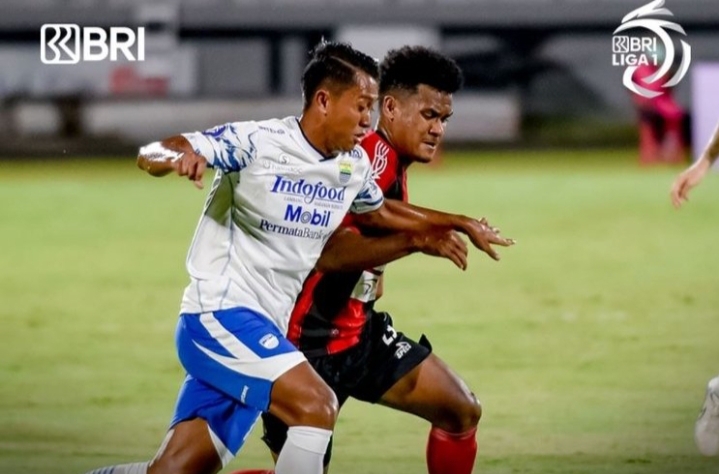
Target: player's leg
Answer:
[[207, 429], [405, 375], [434, 392], [274, 436], [239, 364], [187, 449], [245, 355], [706, 430], [133, 468], [336, 370], [302, 400]]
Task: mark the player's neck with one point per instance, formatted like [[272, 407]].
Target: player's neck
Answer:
[[312, 131], [386, 134]]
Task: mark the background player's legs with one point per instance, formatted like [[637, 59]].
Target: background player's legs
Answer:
[[434, 392]]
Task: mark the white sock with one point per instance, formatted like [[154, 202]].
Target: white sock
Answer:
[[135, 468], [303, 451]]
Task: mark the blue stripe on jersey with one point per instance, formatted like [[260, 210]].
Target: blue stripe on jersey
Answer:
[[230, 151], [233, 163]]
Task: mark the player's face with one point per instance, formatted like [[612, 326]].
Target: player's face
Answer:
[[349, 114], [419, 121]]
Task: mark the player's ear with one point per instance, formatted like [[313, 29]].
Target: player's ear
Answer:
[[321, 100], [388, 106]]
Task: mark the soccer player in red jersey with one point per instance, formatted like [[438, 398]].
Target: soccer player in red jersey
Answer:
[[355, 348]]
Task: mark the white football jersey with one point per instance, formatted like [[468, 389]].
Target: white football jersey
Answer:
[[274, 202]]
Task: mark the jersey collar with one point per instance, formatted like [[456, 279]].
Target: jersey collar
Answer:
[[321, 156]]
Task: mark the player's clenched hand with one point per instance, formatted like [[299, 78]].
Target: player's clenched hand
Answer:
[[443, 243], [483, 236], [687, 180], [192, 165]]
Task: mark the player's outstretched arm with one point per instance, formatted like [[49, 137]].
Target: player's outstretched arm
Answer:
[[400, 216], [693, 175], [174, 154], [341, 254]]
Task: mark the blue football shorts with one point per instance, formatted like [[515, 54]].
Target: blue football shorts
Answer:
[[232, 358]]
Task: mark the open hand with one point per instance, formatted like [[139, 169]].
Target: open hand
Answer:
[[687, 180], [443, 243], [483, 236]]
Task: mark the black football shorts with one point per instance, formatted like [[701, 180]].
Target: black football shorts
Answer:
[[364, 372]]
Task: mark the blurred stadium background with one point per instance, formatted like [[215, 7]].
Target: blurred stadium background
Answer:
[[589, 344], [538, 71]]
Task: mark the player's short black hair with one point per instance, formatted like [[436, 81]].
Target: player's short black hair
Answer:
[[337, 63], [408, 67]]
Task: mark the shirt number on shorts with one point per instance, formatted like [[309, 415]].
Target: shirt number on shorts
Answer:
[[389, 336]]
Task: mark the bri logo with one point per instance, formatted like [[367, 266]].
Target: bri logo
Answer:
[[298, 214], [68, 43], [308, 192]]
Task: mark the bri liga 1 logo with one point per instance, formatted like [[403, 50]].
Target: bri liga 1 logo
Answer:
[[653, 47]]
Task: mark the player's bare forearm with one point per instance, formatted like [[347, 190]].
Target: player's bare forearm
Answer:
[[398, 215], [174, 154], [348, 250], [159, 158], [711, 152]]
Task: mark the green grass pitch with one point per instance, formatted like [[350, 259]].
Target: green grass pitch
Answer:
[[589, 344]]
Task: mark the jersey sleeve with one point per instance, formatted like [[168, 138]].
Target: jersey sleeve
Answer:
[[228, 147], [370, 197]]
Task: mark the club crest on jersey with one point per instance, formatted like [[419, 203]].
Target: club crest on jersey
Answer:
[[346, 169]]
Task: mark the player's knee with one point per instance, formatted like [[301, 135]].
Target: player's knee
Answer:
[[464, 416], [319, 407], [473, 412], [326, 407]]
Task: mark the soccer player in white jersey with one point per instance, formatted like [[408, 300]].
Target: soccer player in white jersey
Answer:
[[706, 430], [281, 189]]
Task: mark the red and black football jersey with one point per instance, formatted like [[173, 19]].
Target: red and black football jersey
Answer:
[[331, 310]]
